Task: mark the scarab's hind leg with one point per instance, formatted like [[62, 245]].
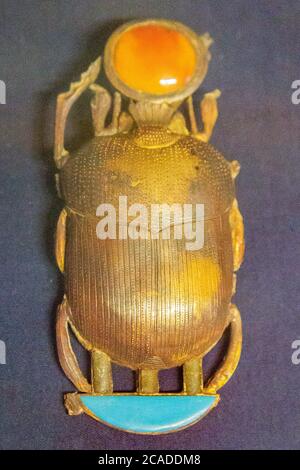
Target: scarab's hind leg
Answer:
[[192, 370], [231, 360], [101, 364], [66, 354]]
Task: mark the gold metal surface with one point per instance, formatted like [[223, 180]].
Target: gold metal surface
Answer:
[[148, 382], [193, 376], [232, 357], [60, 240], [148, 298], [66, 354], [101, 373], [146, 304]]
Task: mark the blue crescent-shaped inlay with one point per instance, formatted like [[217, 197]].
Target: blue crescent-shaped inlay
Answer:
[[149, 414]]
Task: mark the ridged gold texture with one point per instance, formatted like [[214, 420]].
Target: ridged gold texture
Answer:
[[148, 303]]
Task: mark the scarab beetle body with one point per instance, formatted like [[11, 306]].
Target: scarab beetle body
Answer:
[[148, 303], [147, 298]]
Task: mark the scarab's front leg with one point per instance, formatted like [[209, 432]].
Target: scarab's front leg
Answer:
[[100, 106], [64, 104], [209, 115]]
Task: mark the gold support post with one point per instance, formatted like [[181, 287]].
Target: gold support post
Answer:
[[148, 381], [101, 373], [193, 376]]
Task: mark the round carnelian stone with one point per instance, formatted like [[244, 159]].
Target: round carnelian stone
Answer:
[[154, 59]]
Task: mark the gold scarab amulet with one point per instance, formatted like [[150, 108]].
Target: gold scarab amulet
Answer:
[[151, 234]]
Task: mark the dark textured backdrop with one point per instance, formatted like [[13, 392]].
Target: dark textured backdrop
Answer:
[[43, 46]]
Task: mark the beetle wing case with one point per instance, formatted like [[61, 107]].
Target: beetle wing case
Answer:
[[148, 302]]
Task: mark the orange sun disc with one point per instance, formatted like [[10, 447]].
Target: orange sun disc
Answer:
[[154, 59]]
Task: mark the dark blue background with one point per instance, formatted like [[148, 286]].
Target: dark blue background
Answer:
[[44, 45]]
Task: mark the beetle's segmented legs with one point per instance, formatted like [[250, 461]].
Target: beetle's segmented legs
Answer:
[[65, 102], [66, 354], [100, 106], [209, 115], [231, 360]]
